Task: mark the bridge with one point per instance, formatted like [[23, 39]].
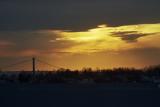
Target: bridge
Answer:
[[34, 64]]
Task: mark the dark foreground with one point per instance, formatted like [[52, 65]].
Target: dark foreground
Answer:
[[60, 95]]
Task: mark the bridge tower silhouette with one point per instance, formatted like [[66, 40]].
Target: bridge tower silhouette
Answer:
[[34, 65]]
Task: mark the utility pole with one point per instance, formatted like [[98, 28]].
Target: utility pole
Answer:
[[34, 65]]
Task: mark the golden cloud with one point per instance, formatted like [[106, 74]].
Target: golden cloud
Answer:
[[105, 38]]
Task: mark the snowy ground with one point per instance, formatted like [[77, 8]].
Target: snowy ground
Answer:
[[58, 95]]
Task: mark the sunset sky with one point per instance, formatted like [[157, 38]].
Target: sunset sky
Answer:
[[80, 33]]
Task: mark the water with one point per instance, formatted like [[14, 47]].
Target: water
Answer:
[[60, 95]]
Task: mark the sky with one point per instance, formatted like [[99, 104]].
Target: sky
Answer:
[[80, 33]]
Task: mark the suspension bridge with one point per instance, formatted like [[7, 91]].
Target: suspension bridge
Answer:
[[34, 64]]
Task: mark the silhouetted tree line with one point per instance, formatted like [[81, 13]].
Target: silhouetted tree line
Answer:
[[86, 75]]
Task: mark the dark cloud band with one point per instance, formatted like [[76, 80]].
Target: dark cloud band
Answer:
[[75, 14], [131, 36]]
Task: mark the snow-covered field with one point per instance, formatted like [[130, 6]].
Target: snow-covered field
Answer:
[[63, 95]]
